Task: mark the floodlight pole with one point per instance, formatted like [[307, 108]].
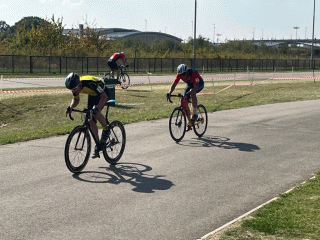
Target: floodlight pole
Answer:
[[195, 35], [312, 64], [296, 28]]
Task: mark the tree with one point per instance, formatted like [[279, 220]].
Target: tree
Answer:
[[27, 23], [3, 26], [44, 36], [3, 30]]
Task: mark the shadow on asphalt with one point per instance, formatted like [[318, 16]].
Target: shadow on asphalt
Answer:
[[132, 173], [220, 142]]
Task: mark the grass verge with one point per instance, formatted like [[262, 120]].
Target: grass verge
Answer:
[[26, 116], [293, 215]]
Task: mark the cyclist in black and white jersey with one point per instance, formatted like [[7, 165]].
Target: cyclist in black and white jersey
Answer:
[[98, 97]]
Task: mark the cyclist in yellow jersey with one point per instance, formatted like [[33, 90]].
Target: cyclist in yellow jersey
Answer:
[[98, 96]]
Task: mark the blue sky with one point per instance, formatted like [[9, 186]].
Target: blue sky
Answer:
[[240, 19]]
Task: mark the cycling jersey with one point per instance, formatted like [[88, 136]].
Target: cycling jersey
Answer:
[[117, 56], [195, 78], [92, 86]]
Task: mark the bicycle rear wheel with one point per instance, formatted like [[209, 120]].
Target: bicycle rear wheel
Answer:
[[115, 144], [77, 149], [200, 125], [124, 80], [177, 124]]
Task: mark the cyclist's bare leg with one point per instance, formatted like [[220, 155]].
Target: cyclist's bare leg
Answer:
[[185, 105], [101, 120], [118, 74], [94, 128], [194, 99]]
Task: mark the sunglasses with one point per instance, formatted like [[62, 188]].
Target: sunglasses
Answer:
[[75, 88], [183, 74]]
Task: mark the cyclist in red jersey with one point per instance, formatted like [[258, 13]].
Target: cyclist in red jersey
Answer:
[[194, 83], [113, 62]]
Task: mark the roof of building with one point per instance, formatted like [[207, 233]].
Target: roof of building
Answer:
[[113, 33]]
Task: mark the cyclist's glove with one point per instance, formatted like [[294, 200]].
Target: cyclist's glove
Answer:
[[69, 109], [169, 97], [95, 111]]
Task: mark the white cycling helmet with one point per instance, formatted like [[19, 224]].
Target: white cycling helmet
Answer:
[[182, 68]]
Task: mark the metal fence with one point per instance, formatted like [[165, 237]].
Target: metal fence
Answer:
[[18, 64]]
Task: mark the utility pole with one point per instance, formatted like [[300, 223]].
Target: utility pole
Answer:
[[218, 36], [296, 28], [253, 34], [214, 33], [312, 64], [195, 35]]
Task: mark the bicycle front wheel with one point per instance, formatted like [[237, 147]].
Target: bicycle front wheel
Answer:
[[177, 124], [77, 149], [124, 80], [200, 125], [115, 144], [109, 75]]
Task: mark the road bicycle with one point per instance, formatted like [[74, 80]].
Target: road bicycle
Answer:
[[78, 145], [178, 120], [124, 79]]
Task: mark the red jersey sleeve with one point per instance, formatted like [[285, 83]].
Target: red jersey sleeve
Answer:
[[177, 78]]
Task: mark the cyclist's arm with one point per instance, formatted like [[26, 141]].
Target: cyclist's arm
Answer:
[[75, 101], [175, 83], [173, 86], [124, 62]]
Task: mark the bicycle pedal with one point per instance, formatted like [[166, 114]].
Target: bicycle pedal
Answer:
[[96, 155]]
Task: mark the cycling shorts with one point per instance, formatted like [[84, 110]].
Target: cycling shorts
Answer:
[[190, 86], [94, 100], [113, 65]]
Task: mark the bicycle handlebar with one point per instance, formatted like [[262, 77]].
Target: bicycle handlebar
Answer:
[[80, 111], [172, 95], [124, 66], [178, 95]]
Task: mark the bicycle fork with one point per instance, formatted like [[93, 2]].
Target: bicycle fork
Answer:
[[77, 142]]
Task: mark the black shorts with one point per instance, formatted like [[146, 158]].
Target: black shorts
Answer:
[[94, 100], [113, 65], [190, 86]]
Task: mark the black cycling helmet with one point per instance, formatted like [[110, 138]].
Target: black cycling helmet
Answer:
[[72, 80]]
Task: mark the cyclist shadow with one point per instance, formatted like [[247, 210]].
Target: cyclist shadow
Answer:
[[221, 142], [132, 173]]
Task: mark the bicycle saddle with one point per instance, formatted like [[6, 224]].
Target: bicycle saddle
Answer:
[[111, 103]]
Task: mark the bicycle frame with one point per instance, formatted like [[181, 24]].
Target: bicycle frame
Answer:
[[186, 111], [121, 71], [184, 104], [87, 125]]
